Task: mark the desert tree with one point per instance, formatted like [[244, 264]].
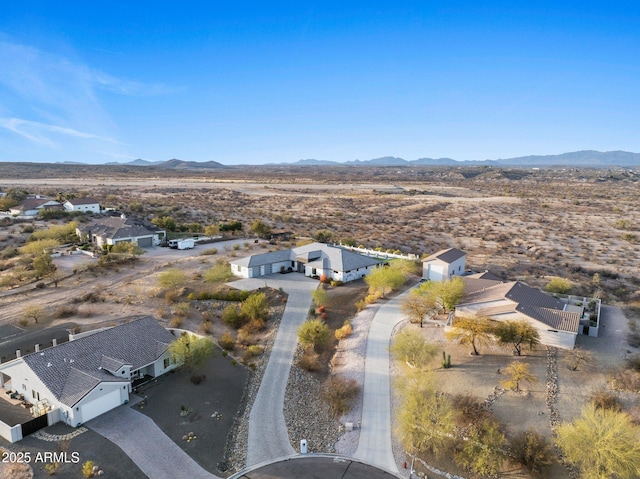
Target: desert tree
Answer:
[[39, 247], [411, 348], [450, 292], [218, 273], [44, 266], [128, 248], [260, 228], [559, 286], [191, 351], [517, 333], [533, 451], [32, 312], [323, 236], [578, 358], [517, 372], [419, 306], [384, 280], [602, 443], [426, 419], [407, 267], [172, 278], [483, 450], [211, 230], [472, 331]]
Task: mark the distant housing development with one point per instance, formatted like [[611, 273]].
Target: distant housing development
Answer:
[[76, 381], [315, 259]]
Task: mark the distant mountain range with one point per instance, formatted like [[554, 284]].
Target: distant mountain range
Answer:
[[587, 158], [172, 164]]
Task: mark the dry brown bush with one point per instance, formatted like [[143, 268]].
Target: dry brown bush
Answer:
[[310, 360], [175, 322], [226, 341], [339, 393], [627, 380], [603, 399]]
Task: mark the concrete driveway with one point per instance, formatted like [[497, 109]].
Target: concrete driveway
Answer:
[[268, 435], [375, 433], [149, 448]]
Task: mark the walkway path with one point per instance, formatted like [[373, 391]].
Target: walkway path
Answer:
[[147, 445], [268, 435], [375, 434]]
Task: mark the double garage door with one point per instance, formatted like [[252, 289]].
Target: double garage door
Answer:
[[100, 405]]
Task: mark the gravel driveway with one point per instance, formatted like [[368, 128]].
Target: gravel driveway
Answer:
[[268, 436], [375, 433]]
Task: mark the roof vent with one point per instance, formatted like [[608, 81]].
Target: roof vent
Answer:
[[71, 360], [48, 365]]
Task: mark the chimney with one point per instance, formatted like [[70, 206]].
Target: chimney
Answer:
[[55, 342], [18, 353], [37, 348]]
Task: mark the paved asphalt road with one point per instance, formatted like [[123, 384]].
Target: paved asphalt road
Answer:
[[154, 453], [268, 435], [375, 433]]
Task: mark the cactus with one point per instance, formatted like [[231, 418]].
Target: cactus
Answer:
[[446, 360]]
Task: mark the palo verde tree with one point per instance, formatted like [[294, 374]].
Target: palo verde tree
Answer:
[[191, 351], [314, 333], [172, 278], [426, 419], [602, 443], [260, 228], [517, 333], [417, 306], [32, 312], [472, 331], [517, 372], [384, 280], [412, 349], [559, 286], [483, 450]]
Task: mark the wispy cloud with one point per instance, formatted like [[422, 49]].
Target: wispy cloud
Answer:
[[37, 132], [50, 99]]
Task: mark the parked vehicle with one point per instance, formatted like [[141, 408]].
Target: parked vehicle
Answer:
[[182, 243]]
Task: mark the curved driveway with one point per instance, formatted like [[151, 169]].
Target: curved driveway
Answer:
[[147, 445], [374, 446], [268, 435]]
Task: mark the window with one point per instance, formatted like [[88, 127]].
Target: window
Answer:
[[169, 361], [35, 395]]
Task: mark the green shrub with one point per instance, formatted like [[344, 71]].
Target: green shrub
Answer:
[[314, 332], [231, 316]]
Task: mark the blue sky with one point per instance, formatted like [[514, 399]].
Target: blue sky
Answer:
[[259, 82]]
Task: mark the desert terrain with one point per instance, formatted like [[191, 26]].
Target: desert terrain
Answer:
[[528, 225]]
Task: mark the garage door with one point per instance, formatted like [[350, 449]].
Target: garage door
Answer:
[[100, 405], [145, 242]]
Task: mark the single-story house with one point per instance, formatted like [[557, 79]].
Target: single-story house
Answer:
[[85, 205], [31, 206], [116, 229], [444, 265], [91, 375], [315, 259], [556, 321]]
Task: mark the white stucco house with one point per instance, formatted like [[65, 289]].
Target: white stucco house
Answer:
[[84, 205], [91, 375], [444, 265], [115, 229], [315, 259], [557, 321], [31, 206]]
